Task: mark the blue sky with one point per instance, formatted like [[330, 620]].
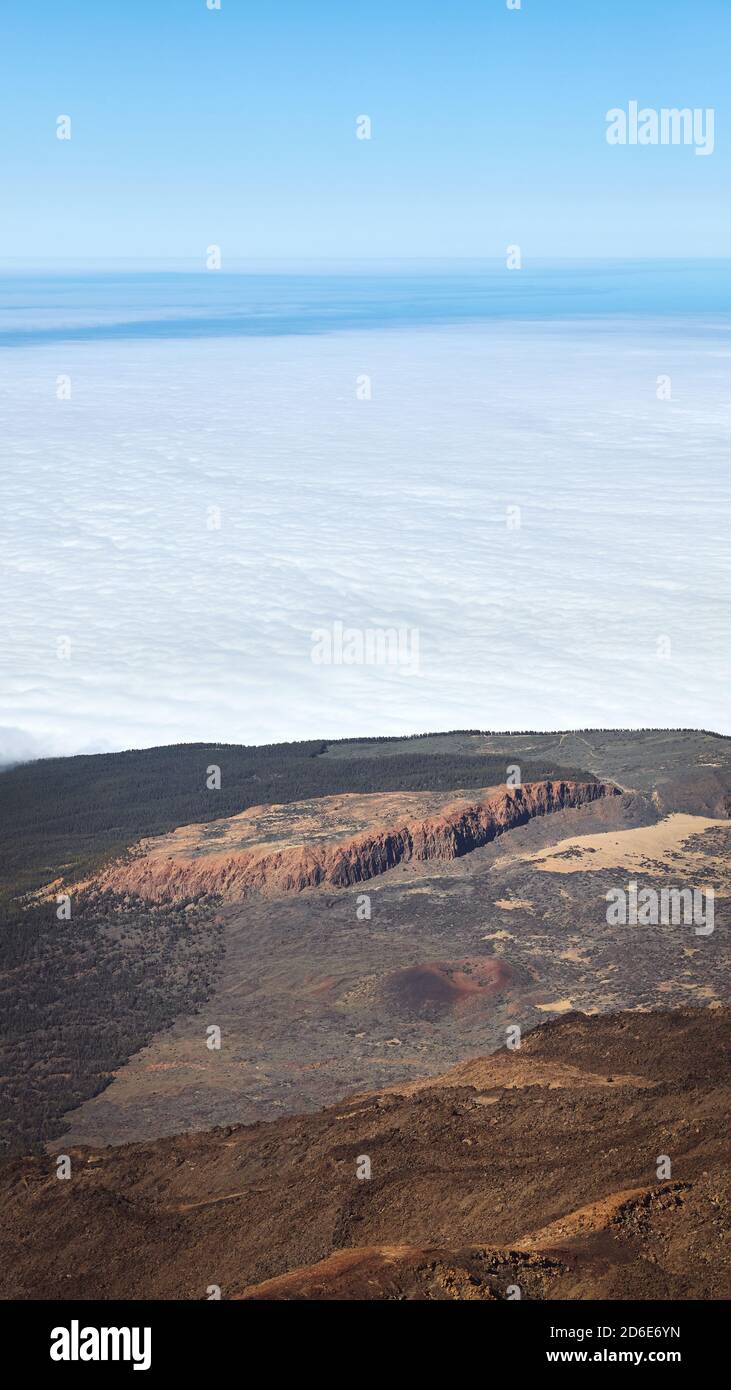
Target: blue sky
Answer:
[[237, 127]]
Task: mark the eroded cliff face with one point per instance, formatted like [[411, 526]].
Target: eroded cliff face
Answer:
[[173, 867]]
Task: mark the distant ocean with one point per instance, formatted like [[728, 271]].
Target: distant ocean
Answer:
[[526, 472], [111, 306]]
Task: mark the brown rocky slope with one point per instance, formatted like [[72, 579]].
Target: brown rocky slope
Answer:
[[286, 849], [538, 1169]]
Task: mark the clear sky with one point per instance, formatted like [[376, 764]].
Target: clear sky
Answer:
[[193, 126]]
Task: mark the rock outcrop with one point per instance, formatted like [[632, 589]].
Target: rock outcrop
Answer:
[[164, 869]]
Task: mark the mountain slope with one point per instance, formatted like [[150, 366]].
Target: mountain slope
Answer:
[[554, 1188]]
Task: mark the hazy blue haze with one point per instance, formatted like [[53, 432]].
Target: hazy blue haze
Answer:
[[103, 307]]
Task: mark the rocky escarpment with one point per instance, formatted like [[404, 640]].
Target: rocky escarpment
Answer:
[[154, 873]]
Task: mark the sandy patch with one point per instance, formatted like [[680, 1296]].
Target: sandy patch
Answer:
[[649, 849], [510, 904]]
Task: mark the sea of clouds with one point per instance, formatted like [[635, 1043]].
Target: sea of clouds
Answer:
[[130, 618]]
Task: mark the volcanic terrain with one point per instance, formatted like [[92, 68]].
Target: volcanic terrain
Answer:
[[222, 1004], [589, 1163], [328, 987]]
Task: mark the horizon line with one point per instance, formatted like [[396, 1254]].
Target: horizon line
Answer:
[[193, 264]]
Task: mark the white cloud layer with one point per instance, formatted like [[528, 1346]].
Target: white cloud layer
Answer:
[[374, 513]]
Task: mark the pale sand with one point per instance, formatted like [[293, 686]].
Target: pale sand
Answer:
[[637, 849]]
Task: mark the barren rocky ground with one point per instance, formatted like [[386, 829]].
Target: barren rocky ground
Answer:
[[188, 1034], [537, 1169], [313, 1000]]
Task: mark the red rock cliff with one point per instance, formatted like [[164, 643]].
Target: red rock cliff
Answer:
[[266, 868]]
